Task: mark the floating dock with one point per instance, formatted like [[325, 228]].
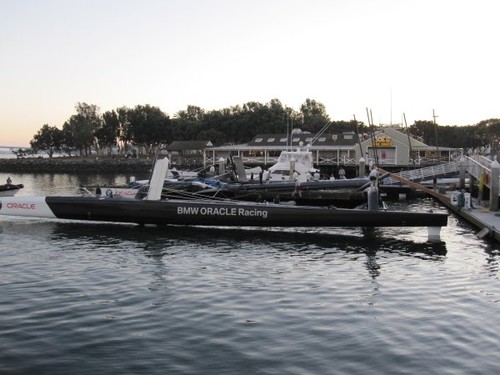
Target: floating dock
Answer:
[[487, 221]]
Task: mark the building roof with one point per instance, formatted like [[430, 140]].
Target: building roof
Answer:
[[398, 136], [330, 141], [402, 136], [303, 139], [188, 145]]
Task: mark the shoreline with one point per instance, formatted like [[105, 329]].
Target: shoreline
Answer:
[[75, 164]]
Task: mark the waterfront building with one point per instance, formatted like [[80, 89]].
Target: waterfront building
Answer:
[[386, 146]]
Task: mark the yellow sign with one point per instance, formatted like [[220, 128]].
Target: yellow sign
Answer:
[[383, 141]]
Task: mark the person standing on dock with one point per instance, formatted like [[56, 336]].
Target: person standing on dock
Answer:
[[98, 191], [374, 177], [342, 173], [461, 199]]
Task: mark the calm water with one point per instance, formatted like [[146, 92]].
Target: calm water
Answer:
[[83, 298]]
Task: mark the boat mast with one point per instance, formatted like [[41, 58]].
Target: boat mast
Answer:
[[359, 138], [408, 134], [289, 128], [289, 131]]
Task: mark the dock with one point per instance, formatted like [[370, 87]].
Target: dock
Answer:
[[486, 220]]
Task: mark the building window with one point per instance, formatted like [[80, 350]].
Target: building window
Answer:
[[257, 140], [282, 139], [322, 139], [271, 139]]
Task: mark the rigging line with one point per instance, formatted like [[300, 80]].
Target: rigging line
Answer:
[[372, 135], [320, 133], [184, 195], [373, 125]]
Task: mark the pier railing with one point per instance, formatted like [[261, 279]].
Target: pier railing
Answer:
[[422, 174], [477, 166], [480, 168]]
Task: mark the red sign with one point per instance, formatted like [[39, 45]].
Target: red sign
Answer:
[[22, 206]]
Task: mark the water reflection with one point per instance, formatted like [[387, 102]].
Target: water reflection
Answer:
[[491, 266], [304, 241], [160, 241]]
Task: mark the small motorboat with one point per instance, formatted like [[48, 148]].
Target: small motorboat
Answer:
[[9, 189]]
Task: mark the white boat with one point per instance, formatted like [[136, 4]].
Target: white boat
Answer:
[[295, 165]]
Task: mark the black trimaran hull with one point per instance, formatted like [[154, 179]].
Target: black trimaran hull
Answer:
[[213, 213]]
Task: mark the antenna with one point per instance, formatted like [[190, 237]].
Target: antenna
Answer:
[[436, 133], [391, 106]]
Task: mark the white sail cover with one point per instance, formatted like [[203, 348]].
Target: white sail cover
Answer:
[[159, 174]]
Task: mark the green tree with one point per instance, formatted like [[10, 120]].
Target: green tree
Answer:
[[49, 139], [217, 127], [213, 135], [107, 135], [76, 136], [149, 127], [424, 130], [314, 116], [188, 123], [256, 118], [79, 130], [281, 118], [490, 130], [125, 134]]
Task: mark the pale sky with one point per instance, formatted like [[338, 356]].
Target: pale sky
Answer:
[[391, 56]]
